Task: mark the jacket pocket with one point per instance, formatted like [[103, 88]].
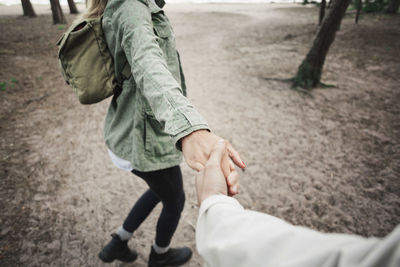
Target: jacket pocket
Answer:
[[157, 143], [161, 26], [162, 31]]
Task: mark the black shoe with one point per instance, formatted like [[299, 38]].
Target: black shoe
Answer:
[[117, 249], [173, 257]]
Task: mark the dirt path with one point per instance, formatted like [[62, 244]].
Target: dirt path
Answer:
[[330, 162]]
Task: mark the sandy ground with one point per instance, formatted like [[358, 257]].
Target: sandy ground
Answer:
[[330, 162]]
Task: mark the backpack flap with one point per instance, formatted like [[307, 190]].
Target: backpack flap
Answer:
[[85, 61]]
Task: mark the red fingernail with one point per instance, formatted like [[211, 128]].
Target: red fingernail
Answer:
[[244, 164]]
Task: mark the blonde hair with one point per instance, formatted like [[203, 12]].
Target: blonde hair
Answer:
[[95, 9]]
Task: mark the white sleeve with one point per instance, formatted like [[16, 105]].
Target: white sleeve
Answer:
[[229, 236]]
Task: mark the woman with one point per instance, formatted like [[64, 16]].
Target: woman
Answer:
[[150, 121]]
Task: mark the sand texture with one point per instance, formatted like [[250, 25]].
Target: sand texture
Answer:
[[330, 161]]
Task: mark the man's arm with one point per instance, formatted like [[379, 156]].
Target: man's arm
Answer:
[[227, 235]]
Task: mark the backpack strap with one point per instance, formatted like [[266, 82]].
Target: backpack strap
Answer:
[[126, 71], [126, 74]]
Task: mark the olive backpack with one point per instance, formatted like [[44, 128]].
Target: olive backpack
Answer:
[[86, 62]]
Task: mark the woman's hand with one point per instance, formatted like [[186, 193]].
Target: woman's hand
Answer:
[[211, 181], [197, 147]]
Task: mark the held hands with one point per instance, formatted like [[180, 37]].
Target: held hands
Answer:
[[211, 181], [197, 146]]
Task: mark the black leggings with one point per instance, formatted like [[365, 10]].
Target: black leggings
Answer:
[[165, 186]]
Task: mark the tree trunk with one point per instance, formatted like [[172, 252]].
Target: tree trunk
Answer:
[[322, 11], [58, 15], [310, 70], [72, 7], [380, 4], [359, 7], [28, 8], [393, 7]]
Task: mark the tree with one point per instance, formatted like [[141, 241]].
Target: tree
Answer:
[[322, 11], [359, 6], [310, 70], [393, 7], [380, 4], [72, 7], [58, 15], [28, 8]]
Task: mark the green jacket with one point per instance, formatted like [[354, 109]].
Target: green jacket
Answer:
[[145, 122]]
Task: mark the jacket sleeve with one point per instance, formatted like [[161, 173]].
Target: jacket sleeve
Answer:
[[151, 74], [227, 235]]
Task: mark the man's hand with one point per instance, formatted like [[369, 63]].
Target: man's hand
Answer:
[[211, 181], [197, 146]]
